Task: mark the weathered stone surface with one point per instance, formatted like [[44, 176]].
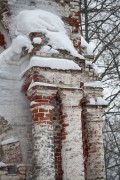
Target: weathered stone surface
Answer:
[[3, 171], [12, 153], [72, 151], [10, 177], [61, 137]]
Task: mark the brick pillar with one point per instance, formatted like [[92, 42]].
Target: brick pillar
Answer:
[[95, 169], [74, 22], [93, 137], [72, 146], [72, 17], [42, 131]]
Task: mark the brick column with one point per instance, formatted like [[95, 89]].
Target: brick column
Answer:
[[42, 130], [95, 166], [72, 17], [93, 137], [57, 138], [72, 146]]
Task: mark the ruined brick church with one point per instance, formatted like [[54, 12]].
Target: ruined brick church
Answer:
[[51, 102]]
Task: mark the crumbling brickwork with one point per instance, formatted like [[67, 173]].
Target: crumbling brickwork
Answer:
[[43, 146], [11, 166], [69, 151], [61, 135], [93, 136], [81, 145]]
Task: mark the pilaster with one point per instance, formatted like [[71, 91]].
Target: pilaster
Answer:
[[42, 132], [72, 146], [93, 137]]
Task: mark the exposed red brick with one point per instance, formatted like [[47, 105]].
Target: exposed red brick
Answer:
[[65, 125], [35, 111]]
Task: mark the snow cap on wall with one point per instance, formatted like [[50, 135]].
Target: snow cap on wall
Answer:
[[99, 101], [87, 48], [42, 21], [9, 140], [52, 63], [49, 24], [16, 47], [95, 84]]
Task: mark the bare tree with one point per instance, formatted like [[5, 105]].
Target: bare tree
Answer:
[[101, 24]]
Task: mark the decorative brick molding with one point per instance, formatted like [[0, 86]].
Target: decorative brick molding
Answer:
[[63, 118], [60, 109], [66, 128]]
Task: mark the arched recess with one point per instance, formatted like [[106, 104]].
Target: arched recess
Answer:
[[57, 133]]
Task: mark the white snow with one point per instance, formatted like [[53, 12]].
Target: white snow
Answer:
[[48, 23], [97, 84], [46, 107], [41, 84], [95, 67], [88, 62], [97, 70], [2, 164], [33, 102], [12, 2], [16, 48], [9, 140], [48, 49], [19, 42], [87, 47], [60, 40], [38, 20], [23, 165], [37, 40], [101, 101], [50, 85], [52, 63], [8, 56], [98, 101], [20, 165], [92, 101]]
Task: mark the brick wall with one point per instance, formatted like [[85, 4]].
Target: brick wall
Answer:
[[94, 143], [93, 138], [43, 138], [68, 10], [62, 135], [71, 125], [72, 151], [11, 159], [65, 118]]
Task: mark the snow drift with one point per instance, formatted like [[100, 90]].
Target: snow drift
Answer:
[[49, 24]]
